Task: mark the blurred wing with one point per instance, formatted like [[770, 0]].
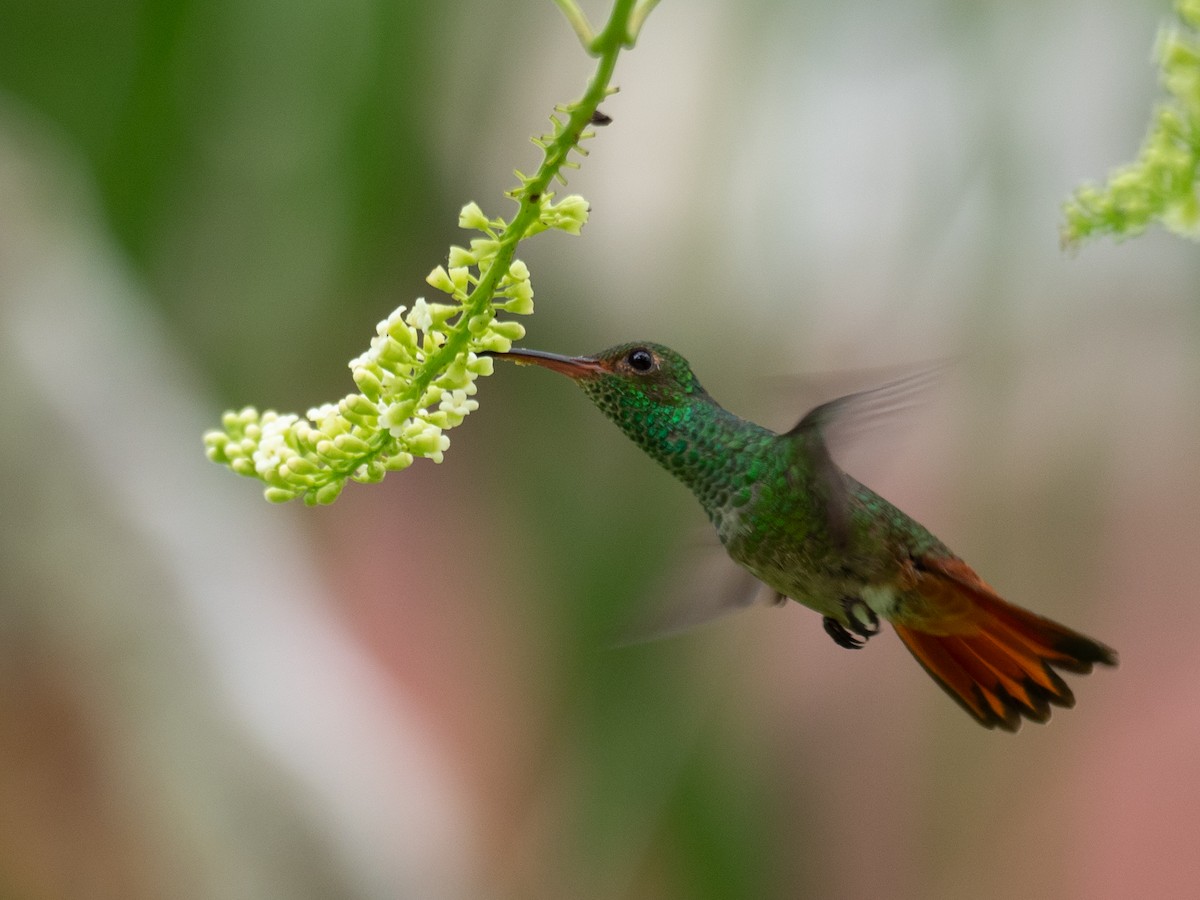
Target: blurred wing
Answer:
[[863, 409], [847, 418], [702, 585]]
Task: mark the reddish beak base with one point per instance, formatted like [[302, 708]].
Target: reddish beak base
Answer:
[[572, 366]]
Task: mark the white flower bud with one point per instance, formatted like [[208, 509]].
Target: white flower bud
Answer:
[[460, 256], [439, 279], [472, 216]]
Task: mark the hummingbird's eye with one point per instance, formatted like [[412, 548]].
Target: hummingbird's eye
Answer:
[[640, 360]]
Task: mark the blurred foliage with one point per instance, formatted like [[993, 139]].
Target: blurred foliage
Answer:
[[258, 162], [1160, 187]]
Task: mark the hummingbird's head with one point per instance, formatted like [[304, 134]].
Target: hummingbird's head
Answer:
[[637, 373], [649, 391]]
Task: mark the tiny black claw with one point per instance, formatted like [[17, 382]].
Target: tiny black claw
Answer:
[[840, 635], [862, 619], [862, 624]]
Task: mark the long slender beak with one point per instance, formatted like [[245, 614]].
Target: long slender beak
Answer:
[[572, 366]]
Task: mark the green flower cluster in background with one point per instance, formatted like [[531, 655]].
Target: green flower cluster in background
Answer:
[[1160, 186], [415, 382]]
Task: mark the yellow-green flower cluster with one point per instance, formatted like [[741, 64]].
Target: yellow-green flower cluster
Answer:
[[1161, 185], [415, 382]]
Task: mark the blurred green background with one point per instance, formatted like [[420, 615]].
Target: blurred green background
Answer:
[[411, 693]]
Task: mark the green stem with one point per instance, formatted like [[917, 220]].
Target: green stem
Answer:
[[606, 46], [616, 34]]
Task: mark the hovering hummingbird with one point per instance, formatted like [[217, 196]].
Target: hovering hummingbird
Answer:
[[785, 512]]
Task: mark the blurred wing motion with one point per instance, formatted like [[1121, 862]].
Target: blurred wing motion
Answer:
[[847, 416], [995, 659], [703, 585]]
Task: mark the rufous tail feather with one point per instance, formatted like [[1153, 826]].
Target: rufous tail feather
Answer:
[[998, 660]]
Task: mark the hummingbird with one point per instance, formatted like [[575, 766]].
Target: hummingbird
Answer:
[[784, 511]]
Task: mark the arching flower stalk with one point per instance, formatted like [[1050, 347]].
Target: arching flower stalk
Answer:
[[416, 381]]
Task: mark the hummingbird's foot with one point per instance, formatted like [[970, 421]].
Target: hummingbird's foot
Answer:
[[840, 635], [862, 620]]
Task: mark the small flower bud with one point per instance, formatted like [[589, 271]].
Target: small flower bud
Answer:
[[521, 303], [472, 216], [398, 461], [518, 271], [400, 332], [484, 249], [328, 493], [460, 276], [243, 466], [300, 466], [494, 343], [368, 382], [513, 331], [358, 409], [214, 445], [370, 472], [351, 445], [460, 256], [569, 215], [440, 279], [480, 365]]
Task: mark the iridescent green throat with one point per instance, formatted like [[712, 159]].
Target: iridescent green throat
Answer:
[[716, 454]]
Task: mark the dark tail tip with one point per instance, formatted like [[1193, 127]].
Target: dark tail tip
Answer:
[[1081, 653]]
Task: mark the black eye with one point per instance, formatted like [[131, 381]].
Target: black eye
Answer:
[[640, 360]]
